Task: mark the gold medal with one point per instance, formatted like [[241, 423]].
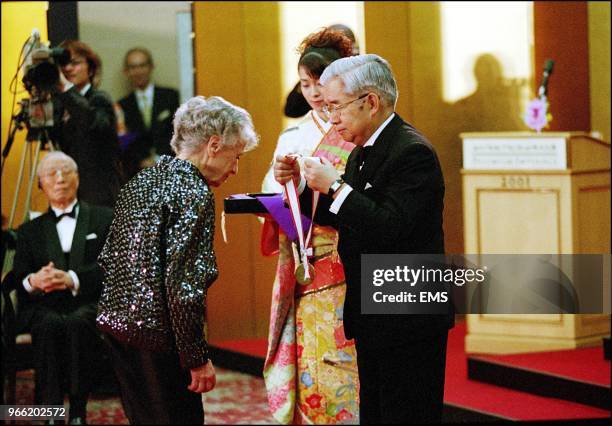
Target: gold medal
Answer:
[[299, 274]]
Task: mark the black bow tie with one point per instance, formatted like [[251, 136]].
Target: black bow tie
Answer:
[[364, 152], [59, 217]]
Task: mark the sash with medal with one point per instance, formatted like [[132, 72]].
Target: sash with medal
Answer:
[[304, 273], [335, 149]]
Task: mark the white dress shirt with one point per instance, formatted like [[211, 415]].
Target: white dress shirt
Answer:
[[65, 231], [82, 92], [85, 89], [344, 192]]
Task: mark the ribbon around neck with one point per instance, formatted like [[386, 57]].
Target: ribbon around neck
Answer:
[[294, 207]]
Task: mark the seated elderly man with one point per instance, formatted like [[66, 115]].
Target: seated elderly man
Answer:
[[60, 284]]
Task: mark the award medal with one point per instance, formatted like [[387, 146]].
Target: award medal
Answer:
[[300, 274], [304, 273]]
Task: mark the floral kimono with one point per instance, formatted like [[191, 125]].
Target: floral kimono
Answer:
[[311, 369]]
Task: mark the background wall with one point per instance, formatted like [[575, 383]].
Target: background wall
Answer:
[[599, 66], [113, 28], [239, 301], [18, 20], [561, 33], [410, 36]]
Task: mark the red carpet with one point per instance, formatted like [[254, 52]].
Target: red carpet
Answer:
[[499, 401], [585, 364]]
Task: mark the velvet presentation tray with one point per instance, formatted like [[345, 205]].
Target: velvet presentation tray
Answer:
[[245, 203]]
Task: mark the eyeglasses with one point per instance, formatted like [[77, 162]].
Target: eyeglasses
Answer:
[[53, 173], [138, 66], [331, 109]]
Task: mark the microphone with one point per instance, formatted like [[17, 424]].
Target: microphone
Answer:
[[33, 44], [548, 69]]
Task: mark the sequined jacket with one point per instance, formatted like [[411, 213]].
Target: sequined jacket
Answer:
[[158, 262]]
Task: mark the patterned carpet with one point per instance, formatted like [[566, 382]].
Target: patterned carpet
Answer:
[[237, 399]]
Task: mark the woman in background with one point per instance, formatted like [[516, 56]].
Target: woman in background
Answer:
[[311, 369]]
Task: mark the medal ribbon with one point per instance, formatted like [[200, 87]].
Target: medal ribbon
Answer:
[[294, 207]]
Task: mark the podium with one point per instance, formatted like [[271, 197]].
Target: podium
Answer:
[[535, 193]]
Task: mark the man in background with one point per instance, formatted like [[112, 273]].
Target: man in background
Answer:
[[147, 113], [59, 284]]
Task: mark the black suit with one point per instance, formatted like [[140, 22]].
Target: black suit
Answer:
[[165, 104], [401, 358], [66, 342], [86, 129]]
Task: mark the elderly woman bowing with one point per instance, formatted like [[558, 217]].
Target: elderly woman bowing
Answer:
[[159, 261]]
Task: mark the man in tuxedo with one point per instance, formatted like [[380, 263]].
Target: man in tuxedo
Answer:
[[148, 113], [389, 200], [59, 285]]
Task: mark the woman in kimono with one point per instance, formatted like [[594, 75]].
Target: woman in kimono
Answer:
[[310, 369]]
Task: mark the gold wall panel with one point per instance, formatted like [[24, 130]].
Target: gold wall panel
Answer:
[[18, 20], [237, 57]]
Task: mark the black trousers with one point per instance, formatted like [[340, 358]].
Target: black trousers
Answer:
[[66, 352], [402, 382], [154, 386]]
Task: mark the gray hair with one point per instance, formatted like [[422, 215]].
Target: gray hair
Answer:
[[199, 118], [363, 73], [56, 155]]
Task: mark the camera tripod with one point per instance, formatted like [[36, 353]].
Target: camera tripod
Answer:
[[36, 141]]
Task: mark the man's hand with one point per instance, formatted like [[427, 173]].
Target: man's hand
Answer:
[[319, 177], [60, 280], [203, 378], [49, 279], [63, 83], [285, 168], [41, 280]]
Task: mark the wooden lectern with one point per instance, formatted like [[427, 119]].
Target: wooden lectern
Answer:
[[535, 193]]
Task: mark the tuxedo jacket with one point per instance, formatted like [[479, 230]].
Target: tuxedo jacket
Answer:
[[395, 208], [38, 243], [86, 129], [165, 104]]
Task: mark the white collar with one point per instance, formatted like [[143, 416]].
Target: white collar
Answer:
[[147, 92], [85, 89], [378, 131], [66, 210], [325, 125]]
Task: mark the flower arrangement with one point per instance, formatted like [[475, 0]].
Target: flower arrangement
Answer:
[[537, 116]]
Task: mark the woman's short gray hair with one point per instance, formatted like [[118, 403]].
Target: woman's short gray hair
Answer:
[[56, 155], [363, 73], [199, 118]]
